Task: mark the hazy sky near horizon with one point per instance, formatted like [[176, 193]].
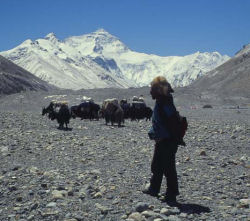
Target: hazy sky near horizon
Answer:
[[161, 27]]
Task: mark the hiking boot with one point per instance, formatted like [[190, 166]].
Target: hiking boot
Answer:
[[170, 200], [150, 192]]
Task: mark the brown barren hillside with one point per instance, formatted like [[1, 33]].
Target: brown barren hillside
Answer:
[[228, 82]]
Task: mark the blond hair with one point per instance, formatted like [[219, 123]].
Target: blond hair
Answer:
[[160, 86]]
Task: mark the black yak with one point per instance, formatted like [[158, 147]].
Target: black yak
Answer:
[[112, 112], [58, 111], [86, 110], [139, 110]]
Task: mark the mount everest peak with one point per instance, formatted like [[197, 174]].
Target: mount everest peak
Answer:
[[51, 37], [99, 60]]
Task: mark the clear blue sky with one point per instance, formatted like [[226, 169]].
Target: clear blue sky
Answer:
[[162, 27]]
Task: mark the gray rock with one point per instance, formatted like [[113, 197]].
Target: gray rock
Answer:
[[31, 217], [56, 194], [244, 203], [51, 205], [103, 209], [173, 218], [170, 211], [78, 217], [136, 216], [140, 207], [149, 214], [233, 137]]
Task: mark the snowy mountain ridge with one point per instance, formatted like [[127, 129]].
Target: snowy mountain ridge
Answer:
[[99, 60]]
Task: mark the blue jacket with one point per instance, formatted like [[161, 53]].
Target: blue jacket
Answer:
[[158, 130]]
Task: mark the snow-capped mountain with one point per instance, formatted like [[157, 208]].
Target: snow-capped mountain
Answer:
[[99, 60], [61, 64]]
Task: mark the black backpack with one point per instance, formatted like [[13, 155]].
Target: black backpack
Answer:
[[182, 128], [176, 125]]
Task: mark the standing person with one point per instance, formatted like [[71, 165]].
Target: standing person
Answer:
[[162, 131]]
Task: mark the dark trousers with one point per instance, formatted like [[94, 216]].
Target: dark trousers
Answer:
[[163, 163]]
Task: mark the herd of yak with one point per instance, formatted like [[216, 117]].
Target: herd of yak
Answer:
[[111, 110]]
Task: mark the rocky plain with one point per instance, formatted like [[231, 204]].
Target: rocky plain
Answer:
[[97, 172]]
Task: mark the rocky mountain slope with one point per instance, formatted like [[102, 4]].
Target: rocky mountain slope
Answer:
[[99, 60], [14, 79], [231, 79]]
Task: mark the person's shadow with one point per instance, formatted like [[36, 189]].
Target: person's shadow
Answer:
[[191, 208], [65, 129]]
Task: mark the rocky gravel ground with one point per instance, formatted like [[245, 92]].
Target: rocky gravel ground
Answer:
[[97, 172]]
